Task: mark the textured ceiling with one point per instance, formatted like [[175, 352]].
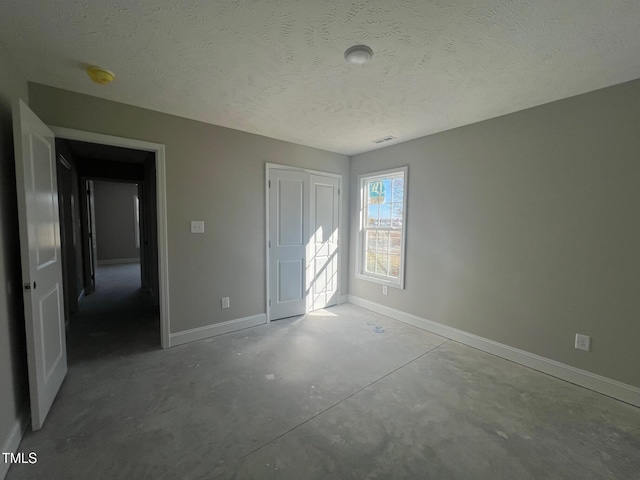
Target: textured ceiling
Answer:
[[275, 67]]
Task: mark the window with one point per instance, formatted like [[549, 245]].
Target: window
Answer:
[[136, 217], [381, 242]]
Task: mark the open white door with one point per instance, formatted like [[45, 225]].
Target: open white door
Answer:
[[288, 235], [41, 262], [322, 283]]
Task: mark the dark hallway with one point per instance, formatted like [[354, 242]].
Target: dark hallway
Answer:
[[118, 319]]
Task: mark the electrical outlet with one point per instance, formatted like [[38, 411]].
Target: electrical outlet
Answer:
[[385, 290], [583, 342], [197, 226], [225, 302]]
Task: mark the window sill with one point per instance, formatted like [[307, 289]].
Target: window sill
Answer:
[[380, 281]]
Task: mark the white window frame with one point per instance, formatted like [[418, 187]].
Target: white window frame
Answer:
[[361, 248]]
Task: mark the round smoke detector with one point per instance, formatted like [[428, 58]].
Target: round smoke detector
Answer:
[[358, 55], [100, 75]]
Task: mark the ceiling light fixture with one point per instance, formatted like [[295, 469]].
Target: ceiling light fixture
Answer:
[[358, 55], [100, 75]]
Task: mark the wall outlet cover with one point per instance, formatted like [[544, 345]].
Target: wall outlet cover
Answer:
[[583, 342], [197, 226], [225, 302], [385, 289]]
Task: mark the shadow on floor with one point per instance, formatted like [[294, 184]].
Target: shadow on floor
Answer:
[[117, 319]]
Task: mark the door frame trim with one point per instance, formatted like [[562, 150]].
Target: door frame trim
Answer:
[[161, 197], [276, 166]]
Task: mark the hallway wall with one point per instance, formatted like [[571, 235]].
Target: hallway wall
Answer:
[[116, 221]]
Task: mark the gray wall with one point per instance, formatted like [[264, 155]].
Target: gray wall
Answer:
[[525, 229], [214, 174], [115, 220], [13, 361]]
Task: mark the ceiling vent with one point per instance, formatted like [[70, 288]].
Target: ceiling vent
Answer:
[[388, 138]]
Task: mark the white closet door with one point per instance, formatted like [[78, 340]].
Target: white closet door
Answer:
[[289, 237], [322, 262]]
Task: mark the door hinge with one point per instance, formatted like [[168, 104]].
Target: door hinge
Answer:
[[269, 302], [269, 243], [338, 191], [269, 183]]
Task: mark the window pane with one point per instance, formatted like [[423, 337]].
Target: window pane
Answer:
[[385, 215], [371, 262], [395, 242], [396, 215], [394, 266], [398, 190], [381, 263], [373, 211], [382, 245], [370, 245], [375, 192]]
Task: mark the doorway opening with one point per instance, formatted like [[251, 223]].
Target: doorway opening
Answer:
[[113, 238], [109, 248]]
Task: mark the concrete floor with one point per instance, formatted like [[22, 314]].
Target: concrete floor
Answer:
[[327, 395]]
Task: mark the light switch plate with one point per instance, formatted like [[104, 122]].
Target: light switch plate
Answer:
[[197, 226]]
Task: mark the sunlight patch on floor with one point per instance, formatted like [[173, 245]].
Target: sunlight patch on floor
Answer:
[[322, 313]]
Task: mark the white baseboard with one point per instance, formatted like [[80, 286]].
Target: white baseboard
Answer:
[[598, 383], [118, 261], [194, 334], [12, 442], [343, 299]]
